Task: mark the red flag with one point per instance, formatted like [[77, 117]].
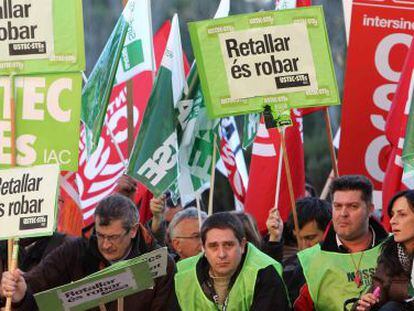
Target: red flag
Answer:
[[395, 131], [300, 3], [260, 195], [97, 176], [375, 60]]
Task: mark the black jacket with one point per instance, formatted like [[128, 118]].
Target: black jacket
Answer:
[[79, 258]]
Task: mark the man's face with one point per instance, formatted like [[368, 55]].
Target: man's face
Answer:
[[350, 214], [186, 241], [223, 251], [113, 240], [310, 235]]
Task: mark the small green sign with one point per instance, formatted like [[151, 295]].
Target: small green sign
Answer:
[[39, 36], [47, 119], [119, 280], [132, 55], [277, 58]]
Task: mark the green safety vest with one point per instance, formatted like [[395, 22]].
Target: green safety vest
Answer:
[[330, 276], [191, 296]]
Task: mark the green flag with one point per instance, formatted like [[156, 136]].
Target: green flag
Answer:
[[250, 125], [95, 94], [154, 157], [196, 146]]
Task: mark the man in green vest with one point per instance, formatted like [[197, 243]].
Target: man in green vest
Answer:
[[230, 275], [340, 268]]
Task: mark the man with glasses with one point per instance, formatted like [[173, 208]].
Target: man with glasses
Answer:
[[117, 236], [184, 232]]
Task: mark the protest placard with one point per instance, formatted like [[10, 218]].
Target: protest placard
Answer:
[[47, 120], [280, 59], [39, 36], [119, 280], [28, 201]]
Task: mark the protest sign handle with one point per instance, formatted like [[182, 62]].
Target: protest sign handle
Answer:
[[13, 121], [13, 267], [279, 176], [11, 262], [121, 304], [290, 185], [330, 141], [9, 253], [212, 177]]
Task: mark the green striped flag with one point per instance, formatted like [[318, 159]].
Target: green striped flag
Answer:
[[154, 157], [127, 53]]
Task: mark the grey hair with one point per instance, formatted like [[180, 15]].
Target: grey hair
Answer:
[[187, 213], [117, 207]]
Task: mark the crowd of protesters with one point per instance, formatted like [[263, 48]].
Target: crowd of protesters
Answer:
[[338, 258]]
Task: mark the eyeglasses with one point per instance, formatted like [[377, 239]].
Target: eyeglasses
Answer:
[[110, 238], [195, 236]]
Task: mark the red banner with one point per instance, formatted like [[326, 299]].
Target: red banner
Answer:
[[396, 133], [380, 35], [260, 197]]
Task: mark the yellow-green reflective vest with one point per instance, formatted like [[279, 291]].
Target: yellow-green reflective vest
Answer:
[[330, 276], [191, 296]]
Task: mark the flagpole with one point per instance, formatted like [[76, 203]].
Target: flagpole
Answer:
[[154, 64], [330, 141], [212, 177], [197, 195], [290, 185], [130, 114], [130, 123], [328, 182]]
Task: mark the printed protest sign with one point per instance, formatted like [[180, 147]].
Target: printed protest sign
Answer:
[[157, 261], [38, 36], [28, 201], [119, 280], [385, 30], [47, 120], [281, 59]]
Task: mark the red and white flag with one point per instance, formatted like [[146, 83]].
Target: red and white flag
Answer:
[[232, 157], [260, 197], [395, 131]]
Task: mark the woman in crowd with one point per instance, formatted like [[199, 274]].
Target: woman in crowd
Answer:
[[392, 287]]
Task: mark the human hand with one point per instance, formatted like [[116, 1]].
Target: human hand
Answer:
[[367, 301], [126, 186], [13, 285], [157, 207], [274, 225]]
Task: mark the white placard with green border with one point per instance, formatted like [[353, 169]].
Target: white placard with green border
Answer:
[[119, 280], [39, 36], [276, 58], [47, 119], [28, 201]]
